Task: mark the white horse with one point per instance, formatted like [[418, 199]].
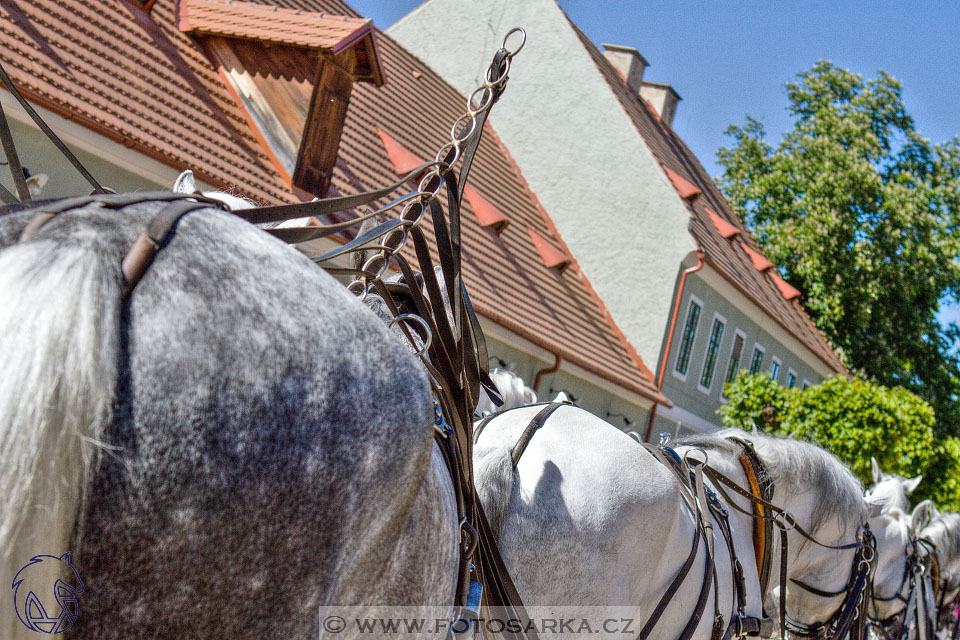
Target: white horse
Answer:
[[588, 518], [942, 536], [902, 599], [889, 490]]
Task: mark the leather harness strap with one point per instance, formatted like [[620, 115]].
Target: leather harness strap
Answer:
[[761, 486], [532, 428]]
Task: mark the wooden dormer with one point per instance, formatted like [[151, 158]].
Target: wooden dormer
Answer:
[[293, 73]]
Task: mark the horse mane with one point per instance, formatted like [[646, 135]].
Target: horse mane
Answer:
[[944, 532], [797, 466]]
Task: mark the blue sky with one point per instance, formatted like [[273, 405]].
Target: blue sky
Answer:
[[730, 58]]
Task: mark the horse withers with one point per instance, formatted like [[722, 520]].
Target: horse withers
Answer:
[[233, 446]]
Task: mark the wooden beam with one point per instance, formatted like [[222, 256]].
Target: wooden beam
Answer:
[[324, 125]]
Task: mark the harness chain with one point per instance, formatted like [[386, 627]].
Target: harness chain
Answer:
[[456, 360]]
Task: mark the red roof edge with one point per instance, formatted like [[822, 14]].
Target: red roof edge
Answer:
[[759, 260], [686, 189], [403, 160], [789, 291], [726, 229], [551, 256], [487, 214]]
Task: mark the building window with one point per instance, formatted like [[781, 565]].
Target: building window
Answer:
[[757, 360], [689, 333], [735, 354], [775, 370], [806, 385], [791, 379], [713, 348]]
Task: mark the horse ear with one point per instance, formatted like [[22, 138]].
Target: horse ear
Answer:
[[922, 514], [186, 183], [358, 258], [875, 467], [910, 484]]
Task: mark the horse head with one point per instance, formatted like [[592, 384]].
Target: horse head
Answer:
[[889, 490]]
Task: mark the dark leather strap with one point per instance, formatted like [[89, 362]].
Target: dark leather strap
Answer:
[[532, 428]]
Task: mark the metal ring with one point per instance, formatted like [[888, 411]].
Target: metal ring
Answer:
[[371, 261], [783, 518], [388, 246], [423, 323], [493, 84], [485, 100], [873, 554], [361, 291], [412, 222], [445, 148], [460, 139], [523, 41]]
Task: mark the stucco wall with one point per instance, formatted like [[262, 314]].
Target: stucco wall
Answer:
[[575, 146]]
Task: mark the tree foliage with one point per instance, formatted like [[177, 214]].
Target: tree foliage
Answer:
[[854, 419], [863, 216]]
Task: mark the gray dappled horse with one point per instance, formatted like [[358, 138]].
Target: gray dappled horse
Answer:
[[236, 444]]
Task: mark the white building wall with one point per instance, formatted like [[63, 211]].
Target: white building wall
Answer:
[[600, 184]]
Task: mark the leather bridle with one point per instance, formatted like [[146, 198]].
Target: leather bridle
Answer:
[[851, 616]]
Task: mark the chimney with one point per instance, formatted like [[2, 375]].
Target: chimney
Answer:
[[628, 62], [662, 98]]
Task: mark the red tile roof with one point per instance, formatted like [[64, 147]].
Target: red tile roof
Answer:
[[789, 291], [684, 187], [272, 24], [140, 80], [552, 257], [727, 258], [726, 229], [487, 214], [760, 261], [402, 159]]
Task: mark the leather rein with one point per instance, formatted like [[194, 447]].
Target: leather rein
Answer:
[[438, 313]]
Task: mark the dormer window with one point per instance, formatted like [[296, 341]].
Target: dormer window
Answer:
[[293, 72], [146, 5]]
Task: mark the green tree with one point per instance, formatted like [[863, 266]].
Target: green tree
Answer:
[[854, 419], [862, 214]]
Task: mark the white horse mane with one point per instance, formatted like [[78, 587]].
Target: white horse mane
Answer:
[[797, 466], [513, 390]]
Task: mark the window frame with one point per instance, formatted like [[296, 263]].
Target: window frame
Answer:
[[791, 372], [736, 333], [763, 350], [806, 385], [706, 352], [775, 361], [692, 299]]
